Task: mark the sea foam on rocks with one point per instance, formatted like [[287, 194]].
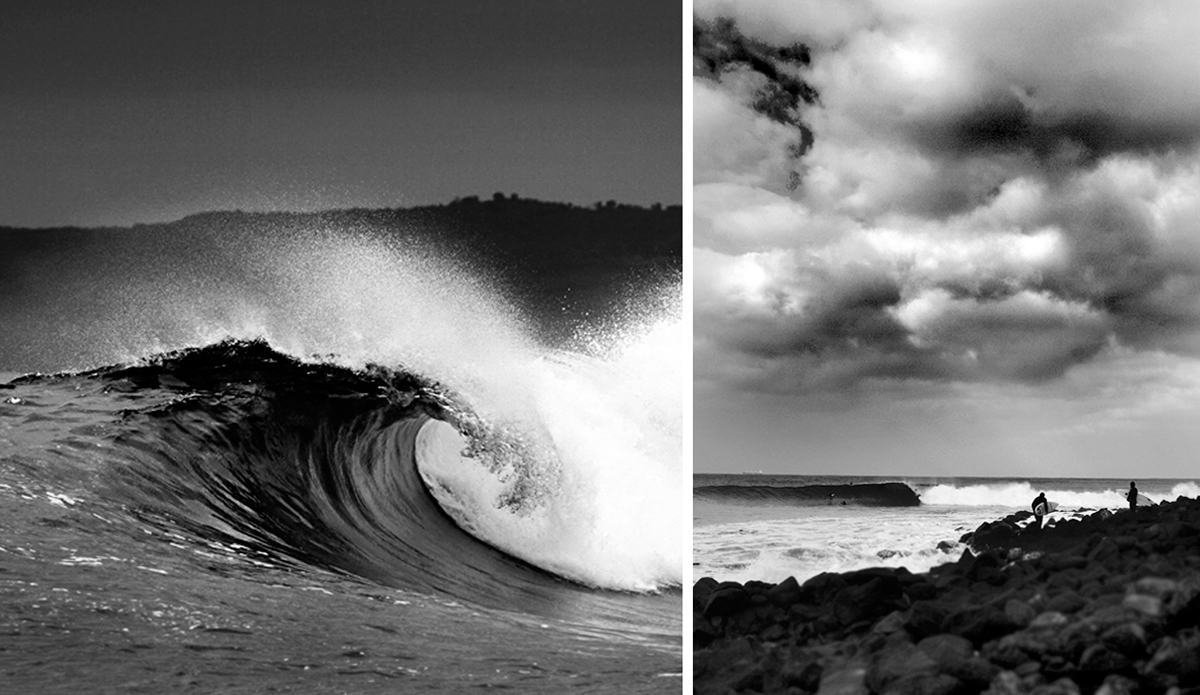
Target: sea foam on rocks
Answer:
[[1106, 603]]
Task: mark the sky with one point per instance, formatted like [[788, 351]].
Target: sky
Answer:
[[988, 261], [137, 111]]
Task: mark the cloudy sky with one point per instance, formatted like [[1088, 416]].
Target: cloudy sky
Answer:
[[988, 263], [134, 111]]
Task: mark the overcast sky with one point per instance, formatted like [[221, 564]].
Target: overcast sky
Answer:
[[132, 110], [991, 264]]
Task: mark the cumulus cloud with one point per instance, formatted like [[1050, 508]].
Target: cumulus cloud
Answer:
[[996, 192]]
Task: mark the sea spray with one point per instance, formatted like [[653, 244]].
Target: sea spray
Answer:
[[611, 519]]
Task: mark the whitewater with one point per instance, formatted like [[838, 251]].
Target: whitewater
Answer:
[[738, 536]]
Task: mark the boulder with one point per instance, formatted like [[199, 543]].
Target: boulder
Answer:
[[726, 599], [1101, 659], [868, 600], [1176, 660], [1019, 612], [1127, 638], [979, 625], [896, 661], [848, 678], [785, 593], [925, 618], [700, 591]]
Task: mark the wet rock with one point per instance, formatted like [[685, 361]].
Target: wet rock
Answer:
[[1102, 659], [921, 590], [846, 679], [924, 684], [1117, 685], [804, 674], [1062, 686], [701, 590], [1066, 602], [703, 632], [1049, 619], [1005, 683], [1148, 606], [991, 535], [925, 618], [821, 588], [1128, 639], [773, 633], [785, 593], [955, 656], [855, 603], [946, 650], [979, 625], [726, 598], [1019, 612], [897, 661], [1062, 562], [892, 623], [1158, 587], [1174, 660], [724, 664]]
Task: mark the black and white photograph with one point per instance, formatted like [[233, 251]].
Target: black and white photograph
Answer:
[[341, 346], [946, 341]]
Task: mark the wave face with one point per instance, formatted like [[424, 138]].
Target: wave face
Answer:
[[867, 494], [368, 407]]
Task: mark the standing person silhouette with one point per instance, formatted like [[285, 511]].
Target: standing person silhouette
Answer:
[[1132, 496]]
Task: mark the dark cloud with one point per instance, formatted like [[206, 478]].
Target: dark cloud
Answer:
[[1004, 124], [718, 47]]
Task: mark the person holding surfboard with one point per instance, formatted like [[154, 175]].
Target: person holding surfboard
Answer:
[[1132, 496], [1040, 507]]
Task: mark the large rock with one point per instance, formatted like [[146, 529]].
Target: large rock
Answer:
[[848, 678], [872, 599], [785, 593], [726, 599], [1127, 638], [701, 590], [1101, 659], [897, 660], [1176, 661], [925, 618], [979, 625]]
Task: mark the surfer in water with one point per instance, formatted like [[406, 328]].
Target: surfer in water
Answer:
[[1132, 496], [1040, 506]]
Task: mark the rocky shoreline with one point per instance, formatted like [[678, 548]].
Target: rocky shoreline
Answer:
[[1106, 603]]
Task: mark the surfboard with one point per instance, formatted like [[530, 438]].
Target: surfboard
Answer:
[[1045, 508], [1144, 501]]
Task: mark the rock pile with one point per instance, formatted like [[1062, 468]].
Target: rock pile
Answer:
[[1108, 603]]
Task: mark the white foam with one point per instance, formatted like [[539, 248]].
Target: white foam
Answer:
[[611, 517], [840, 541], [1019, 495]]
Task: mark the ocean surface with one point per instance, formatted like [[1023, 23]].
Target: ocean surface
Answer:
[[333, 464], [770, 527]]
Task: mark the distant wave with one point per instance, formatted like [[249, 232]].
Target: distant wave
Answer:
[[867, 494], [1020, 494]]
